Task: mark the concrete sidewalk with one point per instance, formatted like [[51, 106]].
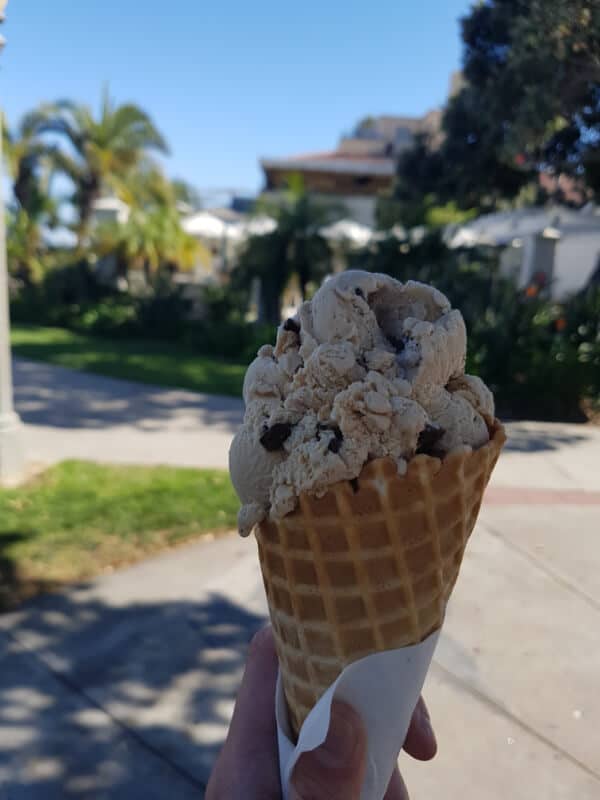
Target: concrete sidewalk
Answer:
[[70, 414], [123, 688]]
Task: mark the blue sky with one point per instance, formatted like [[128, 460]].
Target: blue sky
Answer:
[[229, 82]]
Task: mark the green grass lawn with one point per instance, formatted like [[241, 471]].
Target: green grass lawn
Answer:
[[79, 518], [161, 363]]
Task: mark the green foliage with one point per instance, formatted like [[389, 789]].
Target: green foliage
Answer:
[[30, 206], [541, 359], [531, 102], [96, 152], [448, 214], [294, 248], [186, 193], [71, 298], [59, 297], [223, 328], [151, 238], [24, 247]]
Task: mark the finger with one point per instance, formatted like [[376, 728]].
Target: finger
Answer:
[[420, 740], [253, 718], [247, 766], [336, 769], [397, 788]]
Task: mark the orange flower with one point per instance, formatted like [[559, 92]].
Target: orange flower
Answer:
[[560, 324], [531, 291]]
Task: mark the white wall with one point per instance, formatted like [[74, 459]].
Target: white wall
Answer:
[[359, 208], [575, 260]]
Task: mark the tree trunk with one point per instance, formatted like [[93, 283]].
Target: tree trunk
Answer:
[[269, 310], [88, 192], [301, 264], [303, 279]]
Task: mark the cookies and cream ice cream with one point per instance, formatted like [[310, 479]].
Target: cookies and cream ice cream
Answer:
[[369, 368]]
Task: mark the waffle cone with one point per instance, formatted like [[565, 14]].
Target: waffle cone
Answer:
[[369, 566]]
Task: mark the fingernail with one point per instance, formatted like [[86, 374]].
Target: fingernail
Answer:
[[340, 744]]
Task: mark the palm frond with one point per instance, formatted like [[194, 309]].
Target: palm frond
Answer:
[[53, 119], [133, 127]]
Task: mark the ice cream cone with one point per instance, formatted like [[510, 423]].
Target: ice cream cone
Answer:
[[370, 565]]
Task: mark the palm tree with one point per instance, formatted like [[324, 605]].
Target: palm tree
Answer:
[[31, 206], [295, 247], [152, 237], [100, 151], [186, 194]]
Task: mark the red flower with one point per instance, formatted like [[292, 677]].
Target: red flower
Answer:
[[560, 324]]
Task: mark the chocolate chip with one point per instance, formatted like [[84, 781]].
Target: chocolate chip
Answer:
[[330, 426], [274, 437], [354, 485], [338, 437], [334, 445], [397, 344], [291, 325], [428, 439]]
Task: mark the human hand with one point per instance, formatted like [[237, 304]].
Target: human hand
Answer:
[[248, 767]]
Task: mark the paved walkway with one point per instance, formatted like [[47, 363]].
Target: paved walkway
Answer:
[[70, 414], [123, 687]]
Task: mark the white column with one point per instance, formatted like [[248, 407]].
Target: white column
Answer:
[[11, 445]]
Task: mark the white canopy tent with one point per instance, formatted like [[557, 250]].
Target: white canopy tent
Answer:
[[252, 226], [205, 225], [503, 227], [347, 230], [559, 242]]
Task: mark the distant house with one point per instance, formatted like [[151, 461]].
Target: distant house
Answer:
[[360, 169], [110, 209], [553, 246]]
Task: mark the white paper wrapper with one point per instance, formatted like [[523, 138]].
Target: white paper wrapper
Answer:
[[383, 689]]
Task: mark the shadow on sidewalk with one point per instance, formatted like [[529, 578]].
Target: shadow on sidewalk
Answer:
[[524, 439], [167, 672], [61, 398]]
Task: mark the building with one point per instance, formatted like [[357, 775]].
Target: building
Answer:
[[360, 169], [553, 246]]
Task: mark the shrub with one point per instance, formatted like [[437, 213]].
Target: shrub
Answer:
[[541, 359], [163, 314], [223, 328]]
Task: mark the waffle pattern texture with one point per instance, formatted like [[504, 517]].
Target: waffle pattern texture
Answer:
[[370, 565]]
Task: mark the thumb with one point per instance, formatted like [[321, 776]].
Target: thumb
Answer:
[[336, 769]]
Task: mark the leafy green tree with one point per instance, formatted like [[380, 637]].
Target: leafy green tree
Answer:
[[96, 153], [186, 193], [294, 248], [531, 103], [31, 206], [151, 238]]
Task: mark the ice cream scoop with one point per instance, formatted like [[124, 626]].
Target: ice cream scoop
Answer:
[[369, 368]]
